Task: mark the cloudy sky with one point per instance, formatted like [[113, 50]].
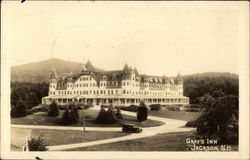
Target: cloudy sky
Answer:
[[156, 37]]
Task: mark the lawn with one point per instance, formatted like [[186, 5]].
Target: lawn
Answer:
[[187, 116], [162, 142], [58, 137], [41, 118]]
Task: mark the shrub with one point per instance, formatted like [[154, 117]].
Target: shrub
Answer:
[[110, 116], [173, 108], [66, 117], [19, 110], [155, 107], [106, 117], [101, 116], [70, 115], [142, 112], [118, 113], [53, 109], [37, 144], [193, 109], [132, 108], [73, 113]]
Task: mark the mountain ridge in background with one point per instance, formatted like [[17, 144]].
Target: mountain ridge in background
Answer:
[[37, 72]]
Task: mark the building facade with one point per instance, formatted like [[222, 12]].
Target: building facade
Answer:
[[120, 88]]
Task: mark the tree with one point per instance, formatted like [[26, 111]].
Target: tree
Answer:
[[37, 144], [53, 109], [66, 117], [106, 117], [70, 115], [73, 113], [142, 112], [101, 118], [19, 110], [219, 119], [110, 115], [118, 114], [218, 93]]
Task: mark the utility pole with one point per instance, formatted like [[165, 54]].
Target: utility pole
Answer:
[[83, 121]]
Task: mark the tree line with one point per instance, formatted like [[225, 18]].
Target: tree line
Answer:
[[30, 93], [198, 85], [195, 86]]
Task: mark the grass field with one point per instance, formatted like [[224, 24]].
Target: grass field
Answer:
[[187, 116], [58, 137], [41, 118], [162, 142]]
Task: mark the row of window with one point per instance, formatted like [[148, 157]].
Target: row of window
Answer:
[[85, 78], [97, 92], [116, 84]]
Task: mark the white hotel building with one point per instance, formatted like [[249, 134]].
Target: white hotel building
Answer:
[[120, 87]]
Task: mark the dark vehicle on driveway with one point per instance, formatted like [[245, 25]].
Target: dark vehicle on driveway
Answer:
[[131, 128]]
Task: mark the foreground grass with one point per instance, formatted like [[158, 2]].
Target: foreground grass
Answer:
[[162, 142], [41, 118], [59, 137]]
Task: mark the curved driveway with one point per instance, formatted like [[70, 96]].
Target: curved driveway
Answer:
[[170, 125]]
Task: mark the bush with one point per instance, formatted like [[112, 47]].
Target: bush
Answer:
[[37, 144], [173, 108], [110, 116], [219, 119], [19, 110], [132, 108], [53, 109], [118, 113], [193, 110], [142, 112], [106, 117], [155, 107], [70, 115]]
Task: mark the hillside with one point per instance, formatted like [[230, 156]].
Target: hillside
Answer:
[[40, 71], [196, 85]]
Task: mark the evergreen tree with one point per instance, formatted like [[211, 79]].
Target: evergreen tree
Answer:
[[110, 115], [19, 110], [142, 112], [118, 114], [53, 109], [101, 118], [66, 117], [73, 114], [70, 115]]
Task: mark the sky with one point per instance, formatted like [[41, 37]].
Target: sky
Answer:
[[156, 38]]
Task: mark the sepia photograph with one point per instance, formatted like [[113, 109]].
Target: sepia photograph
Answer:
[[124, 80]]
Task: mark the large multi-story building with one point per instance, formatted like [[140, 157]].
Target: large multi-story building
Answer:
[[119, 87]]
